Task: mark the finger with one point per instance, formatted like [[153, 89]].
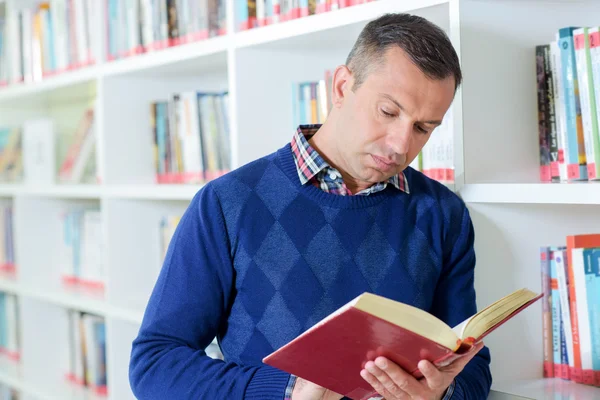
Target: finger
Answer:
[[399, 382], [435, 379], [374, 382]]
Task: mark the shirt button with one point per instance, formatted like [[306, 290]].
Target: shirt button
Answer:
[[333, 175]]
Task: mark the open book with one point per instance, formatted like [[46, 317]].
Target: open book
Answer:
[[332, 352]]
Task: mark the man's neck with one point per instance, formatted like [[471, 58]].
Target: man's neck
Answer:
[[323, 141]]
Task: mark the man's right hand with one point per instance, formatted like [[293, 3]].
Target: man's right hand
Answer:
[[306, 390]]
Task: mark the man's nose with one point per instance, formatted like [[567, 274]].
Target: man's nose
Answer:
[[399, 139]]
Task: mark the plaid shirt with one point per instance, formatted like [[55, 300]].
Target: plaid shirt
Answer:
[[314, 169]]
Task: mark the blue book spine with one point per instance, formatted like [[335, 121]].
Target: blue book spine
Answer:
[[241, 13], [592, 277], [575, 157], [556, 316]]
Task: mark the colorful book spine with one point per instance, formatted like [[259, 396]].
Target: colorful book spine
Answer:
[[561, 261], [587, 99], [556, 324], [548, 365], [575, 156]]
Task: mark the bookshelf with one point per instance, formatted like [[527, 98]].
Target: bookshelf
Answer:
[[495, 109]]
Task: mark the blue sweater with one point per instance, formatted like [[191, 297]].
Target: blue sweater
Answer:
[[257, 259]]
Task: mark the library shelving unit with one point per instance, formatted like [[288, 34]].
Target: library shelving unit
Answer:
[[495, 160]]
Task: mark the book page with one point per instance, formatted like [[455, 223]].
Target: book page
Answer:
[[496, 313]]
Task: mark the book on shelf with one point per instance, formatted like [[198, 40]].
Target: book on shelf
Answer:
[[8, 266], [190, 137], [571, 312], [45, 38], [256, 13], [79, 162], [139, 26], [11, 154], [333, 351], [39, 151], [568, 89], [80, 251], [87, 352], [10, 333]]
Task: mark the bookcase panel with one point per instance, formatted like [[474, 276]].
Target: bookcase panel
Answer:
[[507, 243], [498, 42], [127, 133], [40, 240], [135, 257], [120, 337], [264, 94], [40, 350]]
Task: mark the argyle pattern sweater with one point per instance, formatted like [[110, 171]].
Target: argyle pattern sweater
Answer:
[[258, 258]]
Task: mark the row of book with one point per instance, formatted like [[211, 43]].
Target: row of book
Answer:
[[571, 309], [7, 242], [46, 39], [255, 13], [80, 253], [10, 333], [311, 101], [29, 152], [138, 26], [87, 352], [568, 92], [191, 138]]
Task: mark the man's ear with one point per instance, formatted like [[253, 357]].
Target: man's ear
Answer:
[[342, 84]]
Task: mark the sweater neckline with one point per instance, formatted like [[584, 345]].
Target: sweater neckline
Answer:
[[288, 166]]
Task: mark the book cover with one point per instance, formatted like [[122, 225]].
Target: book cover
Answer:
[[333, 352]]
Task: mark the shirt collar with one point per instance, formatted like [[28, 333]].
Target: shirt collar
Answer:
[[309, 162]]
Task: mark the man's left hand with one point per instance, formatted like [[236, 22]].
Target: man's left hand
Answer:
[[393, 383]]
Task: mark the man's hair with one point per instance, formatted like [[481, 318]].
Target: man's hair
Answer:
[[426, 44]]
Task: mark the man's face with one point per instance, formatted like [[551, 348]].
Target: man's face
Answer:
[[386, 122]]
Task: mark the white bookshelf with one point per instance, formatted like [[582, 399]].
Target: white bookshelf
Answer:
[[496, 169]]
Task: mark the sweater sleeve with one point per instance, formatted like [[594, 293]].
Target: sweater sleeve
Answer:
[[455, 301], [187, 305]]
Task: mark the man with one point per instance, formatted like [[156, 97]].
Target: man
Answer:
[[270, 249]]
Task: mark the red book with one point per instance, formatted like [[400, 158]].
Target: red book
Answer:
[[333, 352]]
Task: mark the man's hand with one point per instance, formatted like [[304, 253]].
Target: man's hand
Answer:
[[393, 383], [306, 390]]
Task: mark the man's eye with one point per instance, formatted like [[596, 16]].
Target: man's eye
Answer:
[[387, 114], [421, 129]]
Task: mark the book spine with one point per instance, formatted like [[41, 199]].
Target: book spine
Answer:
[[546, 313], [594, 301], [551, 96], [583, 311], [561, 273], [575, 158], [560, 111], [574, 298], [587, 100], [556, 325], [543, 113]]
